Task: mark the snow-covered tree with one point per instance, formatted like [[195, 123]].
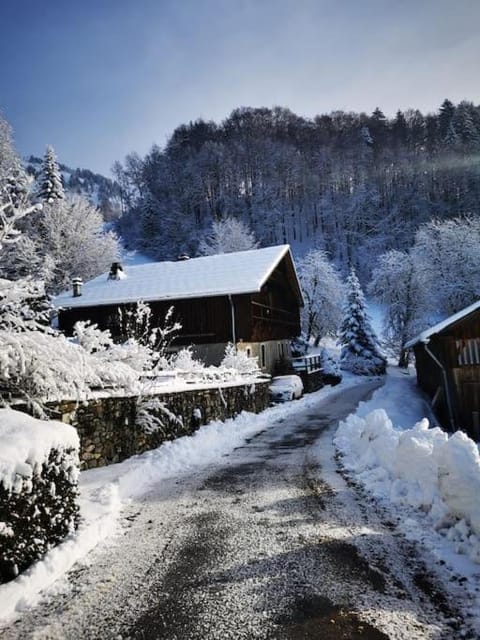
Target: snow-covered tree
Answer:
[[360, 350], [69, 234], [447, 258], [50, 186], [323, 293], [239, 360], [14, 187], [395, 283], [228, 235], [137, 325]]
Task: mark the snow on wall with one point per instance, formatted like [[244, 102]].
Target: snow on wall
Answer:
[[109, 429]]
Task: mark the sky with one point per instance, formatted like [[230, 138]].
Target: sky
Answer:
[[98, 79]]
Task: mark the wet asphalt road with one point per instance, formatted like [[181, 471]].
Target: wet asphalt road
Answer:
[[272, 542]]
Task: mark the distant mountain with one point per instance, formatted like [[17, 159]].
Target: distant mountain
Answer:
[[103, 192]]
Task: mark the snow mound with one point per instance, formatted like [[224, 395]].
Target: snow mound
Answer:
[[26, 444], [420, 467]]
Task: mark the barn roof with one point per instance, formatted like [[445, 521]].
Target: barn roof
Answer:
[[440, 326], [225, 274]]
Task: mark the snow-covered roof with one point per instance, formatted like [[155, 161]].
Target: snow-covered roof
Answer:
[[440, 326], [218, 275]]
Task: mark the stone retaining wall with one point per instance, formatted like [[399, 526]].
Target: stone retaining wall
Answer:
[[107, 426]]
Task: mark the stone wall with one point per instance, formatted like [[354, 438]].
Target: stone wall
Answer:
[[109, 433]]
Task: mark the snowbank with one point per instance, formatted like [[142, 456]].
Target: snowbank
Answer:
[[26, 444], [420, 467]]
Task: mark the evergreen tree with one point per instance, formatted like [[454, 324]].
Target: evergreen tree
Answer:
[[445, 116], [452, 139], [50, 187], [464, 123], [360, 350], [378, 126], [13, 179], [400, 129]]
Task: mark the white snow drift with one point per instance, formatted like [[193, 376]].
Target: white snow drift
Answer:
[[26, 443], [420, 467]]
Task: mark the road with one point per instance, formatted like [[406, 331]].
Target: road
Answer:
[[273, 542]]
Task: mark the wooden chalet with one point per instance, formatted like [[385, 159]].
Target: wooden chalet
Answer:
[[447, 359], [251, 298]]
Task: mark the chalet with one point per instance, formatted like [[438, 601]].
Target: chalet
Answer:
[[447, 358], [251, 298]]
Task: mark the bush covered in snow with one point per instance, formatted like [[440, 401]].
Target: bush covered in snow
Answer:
[[330, 367], [39, 470], [239, 360], [420, 467]]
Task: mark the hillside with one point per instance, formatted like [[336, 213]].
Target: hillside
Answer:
[[103, 192], [353, 184]]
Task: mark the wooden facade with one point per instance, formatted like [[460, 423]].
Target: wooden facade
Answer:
[[272, 314], [448, 370]]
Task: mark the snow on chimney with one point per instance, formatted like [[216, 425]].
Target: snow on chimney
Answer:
[[77, 287], [116, 272]]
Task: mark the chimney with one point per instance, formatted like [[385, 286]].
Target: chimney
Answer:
[[116, 271], [77, 287]]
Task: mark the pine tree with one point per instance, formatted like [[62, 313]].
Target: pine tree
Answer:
[[445, 116], [360, 350], [50, 187], [452, 139], [13, 179], [464, 124], [400, 129]]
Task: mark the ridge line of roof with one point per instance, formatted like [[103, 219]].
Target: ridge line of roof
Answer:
[[278, 252], [443, 324]]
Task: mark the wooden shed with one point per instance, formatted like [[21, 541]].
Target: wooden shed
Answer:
[[251, 298], [447, 359]]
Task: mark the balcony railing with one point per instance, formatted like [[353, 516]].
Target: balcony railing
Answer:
[[307, 364]]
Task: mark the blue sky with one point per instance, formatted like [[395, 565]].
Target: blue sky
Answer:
[[99, 79]]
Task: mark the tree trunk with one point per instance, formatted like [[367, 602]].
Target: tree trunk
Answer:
[[404, 358]]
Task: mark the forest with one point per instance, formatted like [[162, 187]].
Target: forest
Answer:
[[350, 184]]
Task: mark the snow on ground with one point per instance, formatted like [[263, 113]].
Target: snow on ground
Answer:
[[376, 313], [428, 480], [105, 491]]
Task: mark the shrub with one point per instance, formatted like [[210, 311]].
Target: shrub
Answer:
[[39, 469]]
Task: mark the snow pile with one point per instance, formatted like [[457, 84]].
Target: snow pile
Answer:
[[39, 470], [26, 444], [420, 467]]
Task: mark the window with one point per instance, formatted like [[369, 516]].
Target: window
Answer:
[[263, 356], [468, 351]]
